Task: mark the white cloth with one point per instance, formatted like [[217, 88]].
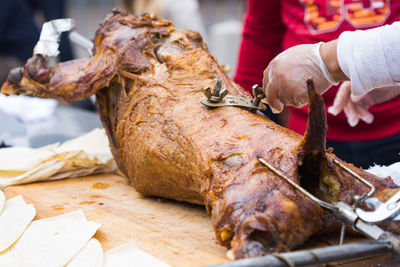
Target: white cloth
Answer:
[[49, 40], [385, 171], [371, 58], [28, 109]]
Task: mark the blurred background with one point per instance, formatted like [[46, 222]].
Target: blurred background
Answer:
[[33, 122], [218, 21]]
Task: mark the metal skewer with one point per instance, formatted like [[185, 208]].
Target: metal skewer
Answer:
[[359, 199], [298, 187], [81, 41]]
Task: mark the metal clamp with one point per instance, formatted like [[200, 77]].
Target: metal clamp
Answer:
[[387, 211], [220, 98]]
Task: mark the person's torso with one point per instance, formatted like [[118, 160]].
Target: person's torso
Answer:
[[312, 21]]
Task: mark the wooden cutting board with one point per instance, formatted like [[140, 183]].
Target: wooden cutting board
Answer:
[[180, 234]]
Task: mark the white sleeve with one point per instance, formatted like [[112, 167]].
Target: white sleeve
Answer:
[[371, 58]]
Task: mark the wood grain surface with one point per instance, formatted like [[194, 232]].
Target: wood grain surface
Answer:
[[180, 234]]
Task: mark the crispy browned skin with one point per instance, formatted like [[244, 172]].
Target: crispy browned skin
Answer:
[[148, 79]]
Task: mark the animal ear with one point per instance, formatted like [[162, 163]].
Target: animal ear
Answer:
[[311, 155], [314, 139]]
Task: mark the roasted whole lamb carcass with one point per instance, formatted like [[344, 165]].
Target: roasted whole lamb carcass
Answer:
[[148, 78]]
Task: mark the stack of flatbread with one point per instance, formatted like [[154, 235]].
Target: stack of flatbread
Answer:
[[87, 154], [64, 240]]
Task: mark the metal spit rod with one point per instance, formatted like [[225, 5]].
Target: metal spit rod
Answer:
[[81, 41], [315, 256]]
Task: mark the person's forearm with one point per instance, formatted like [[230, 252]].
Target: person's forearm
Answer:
[[328, 53], [371, 58]]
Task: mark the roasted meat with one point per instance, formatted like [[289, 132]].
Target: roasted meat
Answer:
[[148, 78]]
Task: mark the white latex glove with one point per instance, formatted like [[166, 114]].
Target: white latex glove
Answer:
[[356, 107], [284, 81]]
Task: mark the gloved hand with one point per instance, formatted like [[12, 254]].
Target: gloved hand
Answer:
[[356, 107], [284, 81]]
